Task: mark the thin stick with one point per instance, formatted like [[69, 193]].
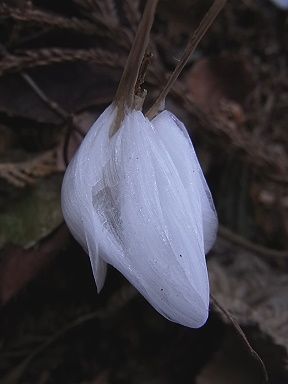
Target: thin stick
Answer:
[[124, 97], [242, 335], [269, 253], [55, 107], [67, 117], [193, 42], [40, 93]]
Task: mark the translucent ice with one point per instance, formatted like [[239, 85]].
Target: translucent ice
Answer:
[[139, 201]]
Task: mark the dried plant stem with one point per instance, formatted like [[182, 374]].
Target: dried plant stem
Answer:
[[193, 42], [124, 97], [240, 332], [68, 118], [40, 93], [268, 253]]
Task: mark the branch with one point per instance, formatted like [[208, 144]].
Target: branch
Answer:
[[242, 335], [125, 94]]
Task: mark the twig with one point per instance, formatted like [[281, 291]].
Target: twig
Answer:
[[68, 118], [193, 42], [50, 103], [242, 335], [142, 73], [260, 249], [13, 174]]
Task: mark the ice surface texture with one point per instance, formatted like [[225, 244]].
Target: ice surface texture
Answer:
[[139, 201]]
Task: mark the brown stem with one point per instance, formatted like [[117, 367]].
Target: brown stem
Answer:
[[266, 252], [124, 97], [40, 93], [193, 42], [240, 332]]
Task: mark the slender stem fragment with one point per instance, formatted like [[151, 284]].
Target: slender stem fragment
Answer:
[[124, 97], [51, 104], [240, 332], [193, 42]]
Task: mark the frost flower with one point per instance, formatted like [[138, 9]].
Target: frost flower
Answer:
[[138, 200]]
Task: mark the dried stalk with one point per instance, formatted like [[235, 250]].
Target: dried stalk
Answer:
[[268, 253], [193, 42], [40, 93], [125, 94], [242, 335]]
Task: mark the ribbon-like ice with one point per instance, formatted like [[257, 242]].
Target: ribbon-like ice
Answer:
[[139, 201]]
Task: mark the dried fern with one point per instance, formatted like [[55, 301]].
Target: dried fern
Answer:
[[24, 173], [102, 24], [89, 5], [48, 19], [109, 11], [105, 15], [46, 56], [132, 12]]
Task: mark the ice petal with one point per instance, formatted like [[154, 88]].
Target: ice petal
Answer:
[[157, 228], [131, 201], [76, 195], [174, 136]]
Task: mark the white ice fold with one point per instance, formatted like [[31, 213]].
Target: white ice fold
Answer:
[[139, 201]]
